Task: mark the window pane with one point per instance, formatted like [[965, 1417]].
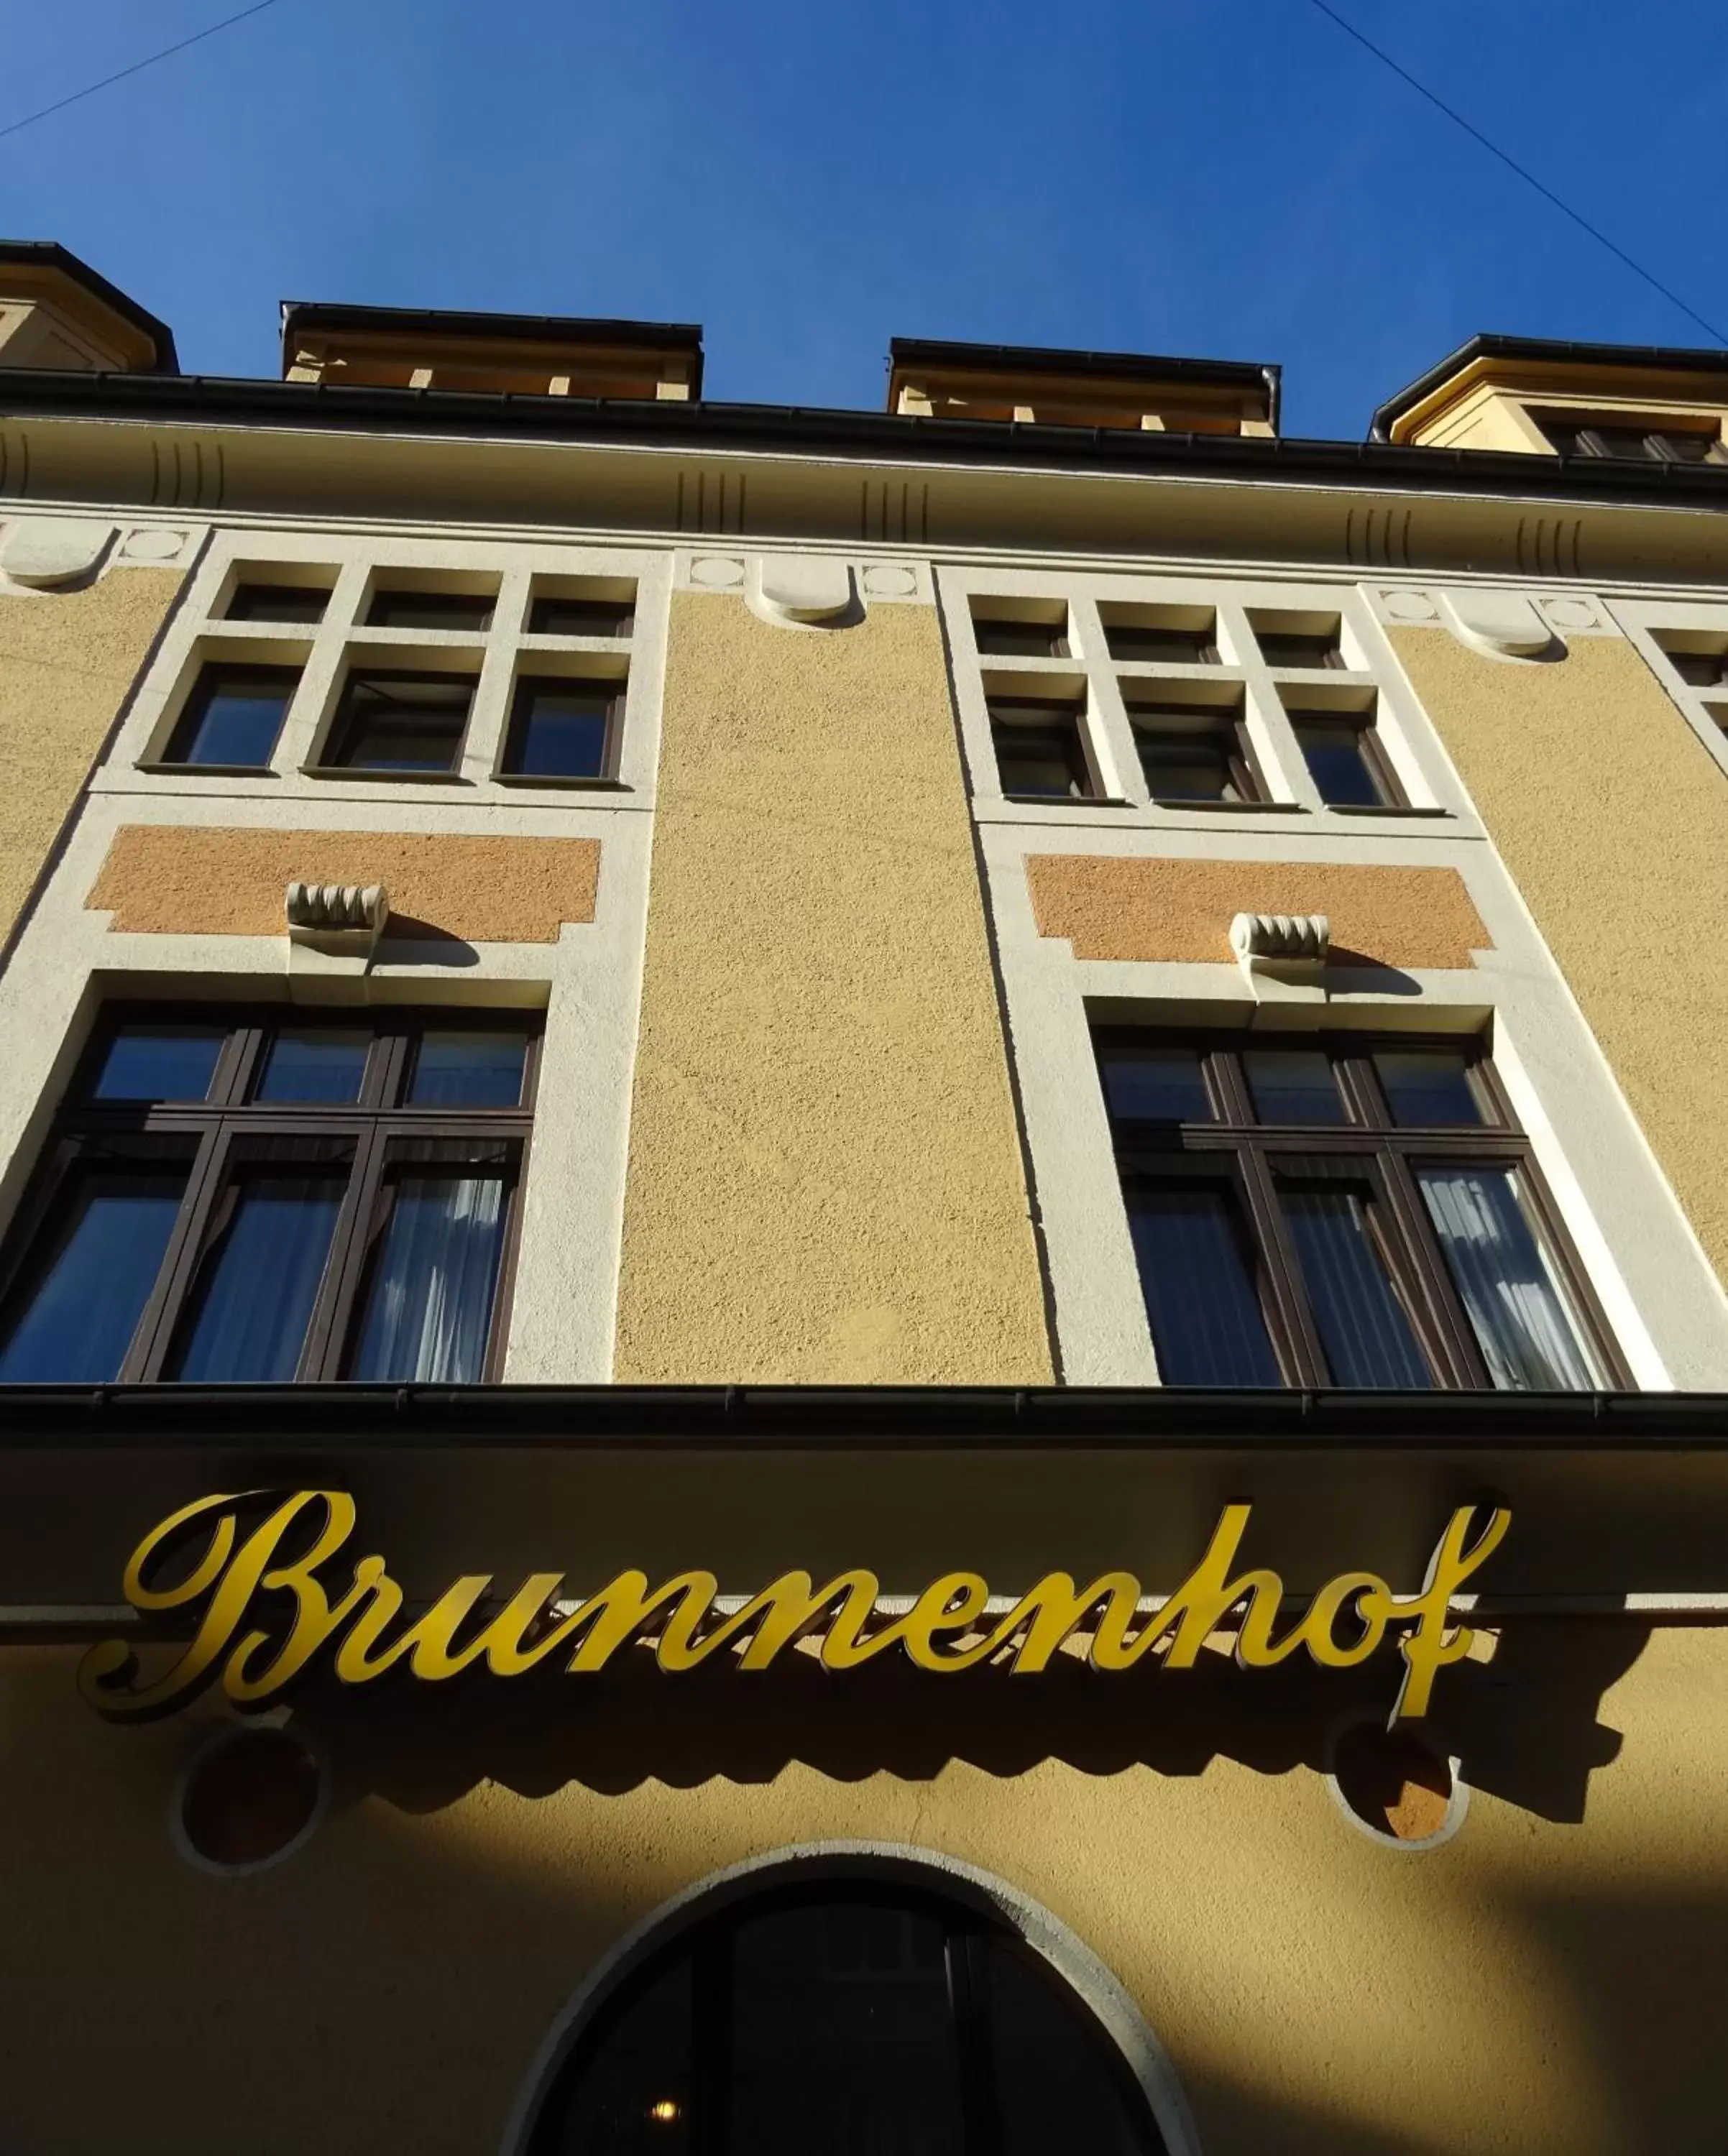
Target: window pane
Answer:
[[1038, 752], [1365, 1335], [234, 716], [833, 2053], [246, 1318], [469, 1070], [321, 1064], [558, 729], [1057, 2091], [277, 603], [1337, 765], [90, 1279], [159, 1063], [429, 1305], [1508, 1282], [401, 722], [1186, 764], [1428, 1088], [431, 610], [551, 616], [1703, 669], [1278, 649], [1023, 639], [1292, 1086], [1207, 1322], [1175, 647], [1154, 1085], [635, 2094]]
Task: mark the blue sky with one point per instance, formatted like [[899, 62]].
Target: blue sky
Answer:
[[1232, 178]]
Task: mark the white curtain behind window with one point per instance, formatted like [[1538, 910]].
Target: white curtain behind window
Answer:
[[430, 1305]]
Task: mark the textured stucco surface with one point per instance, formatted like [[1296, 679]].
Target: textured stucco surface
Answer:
[[1613, 821], [1180, 911], [66, 662], [1532, 1988], [824, 1179], [182, 879]]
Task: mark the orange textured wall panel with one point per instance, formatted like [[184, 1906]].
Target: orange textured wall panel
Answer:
[[1179, 912], [188, 879]]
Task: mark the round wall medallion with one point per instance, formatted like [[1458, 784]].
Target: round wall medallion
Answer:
[[153, 546], [889, 580], [1570, 614], [1408, 606], [249, 1797], [716, 573], [1395, 1786]]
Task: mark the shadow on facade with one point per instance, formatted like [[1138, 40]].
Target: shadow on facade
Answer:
[[1525, 1726]]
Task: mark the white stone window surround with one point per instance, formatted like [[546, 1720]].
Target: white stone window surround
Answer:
[[1664, 1303], [1092, 676], [563, 1312], [198, 634], [1645, 622]]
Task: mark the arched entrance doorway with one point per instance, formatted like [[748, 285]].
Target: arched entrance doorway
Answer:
[[828, 2004]]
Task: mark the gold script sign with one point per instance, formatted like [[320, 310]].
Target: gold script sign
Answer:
[[269, 1601]]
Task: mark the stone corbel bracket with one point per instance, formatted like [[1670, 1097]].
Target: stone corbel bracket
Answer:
[[1282, 956], [333, 928]]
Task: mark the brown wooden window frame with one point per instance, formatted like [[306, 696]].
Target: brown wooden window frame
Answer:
[[1224, 725], [614, 691], [1068, 711], [1369, 1152], [1590, 436], [1055, 637], [376, 1135]]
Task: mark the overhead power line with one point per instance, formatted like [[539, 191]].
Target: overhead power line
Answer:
[[137, 67], [1528, 177]]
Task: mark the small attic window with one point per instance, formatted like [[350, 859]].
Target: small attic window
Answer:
[[1652, 439]]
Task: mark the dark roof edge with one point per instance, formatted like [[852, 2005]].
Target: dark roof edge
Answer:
[[1678, 358], [301, 315], [1123, 366], [49, 254], [772, 428], [812, 1417]]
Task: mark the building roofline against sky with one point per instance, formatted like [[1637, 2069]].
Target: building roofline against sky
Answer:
[[1680, 359], [49, 254], [1116, 366], [301, 316], [773, 429]]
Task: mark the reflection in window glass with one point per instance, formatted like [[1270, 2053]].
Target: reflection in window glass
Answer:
[[1366, 1333], [1427, 1089], [635, 2097], [233, 716], [1292, 1086], [469, 1070], [1186, 763], [1337, 763], [90, 1278], [308, 1064], [551, 615], [401, 722], [558, 729], [1051, 2098], [159, 1063], [1208, 1324], [429, 1304], [247, 1317], [857, 2055], [1507, 1281], [1155, 1085]]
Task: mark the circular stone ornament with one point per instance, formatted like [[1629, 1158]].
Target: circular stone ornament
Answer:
[[1393, 1786], [249, 1797]]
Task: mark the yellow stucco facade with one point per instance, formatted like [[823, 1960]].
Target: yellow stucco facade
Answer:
[[1613, 821], [824, 1180], [67, 661], [1548, 1983]]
